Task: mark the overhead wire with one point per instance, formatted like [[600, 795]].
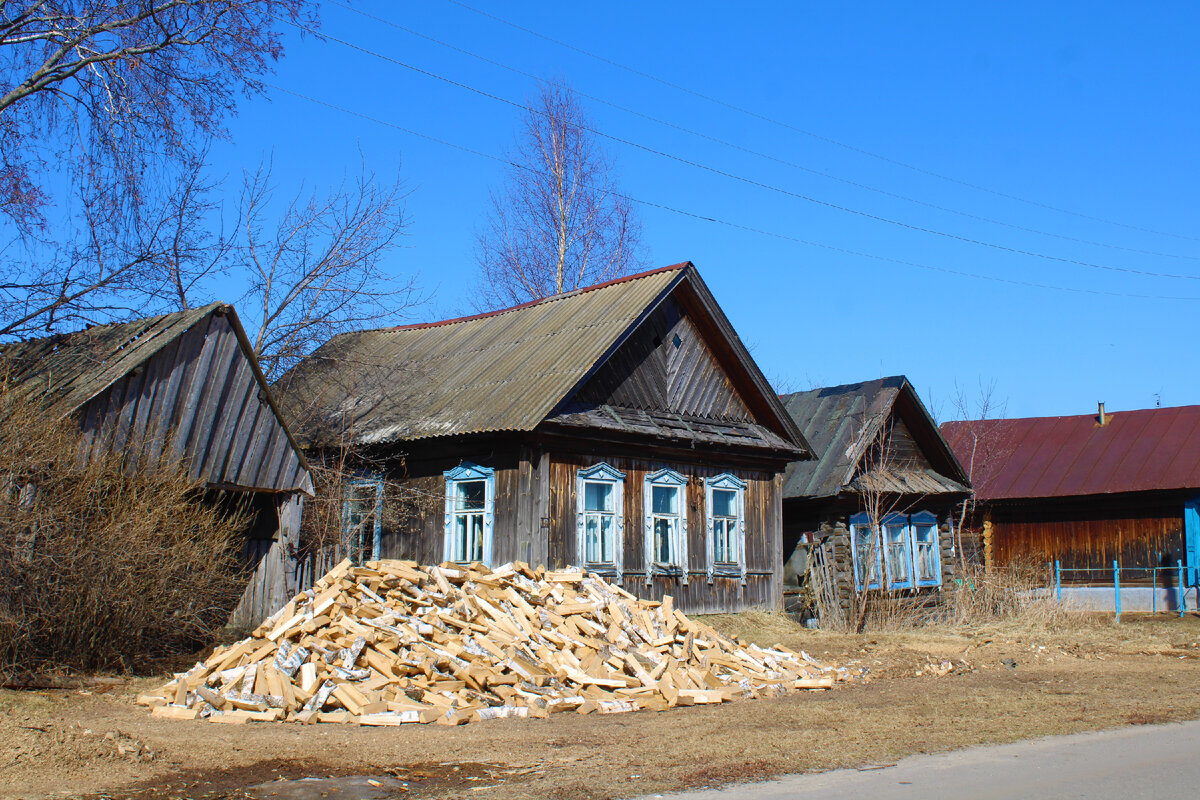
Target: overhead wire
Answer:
[[727, 223], [812, 134], [750, 151], [743, 179]]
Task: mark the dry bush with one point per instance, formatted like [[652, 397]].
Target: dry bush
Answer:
[[1018, 593], [102, 565]]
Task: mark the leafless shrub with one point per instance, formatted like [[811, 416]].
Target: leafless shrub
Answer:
[[103, 565]]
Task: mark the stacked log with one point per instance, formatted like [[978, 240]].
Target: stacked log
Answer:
[[391, 642]]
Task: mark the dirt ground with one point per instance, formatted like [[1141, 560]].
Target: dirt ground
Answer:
[[1007, 682]]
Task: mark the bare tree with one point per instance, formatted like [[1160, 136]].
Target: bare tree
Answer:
[[560, 222], [102, 103], [320, 267], [985, 446]]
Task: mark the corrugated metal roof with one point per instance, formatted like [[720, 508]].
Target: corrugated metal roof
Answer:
[[1136, 451], [502, 371], [67, 370], [840, 422]]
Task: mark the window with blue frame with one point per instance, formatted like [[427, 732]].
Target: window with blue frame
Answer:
[[362, 518], [908, 554], [666, 524], [600, 518], [725, 518], [470, 513]]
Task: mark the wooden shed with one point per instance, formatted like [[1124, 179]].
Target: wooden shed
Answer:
[[1088, 490], [623, 428], [882, 472], [184, 386]]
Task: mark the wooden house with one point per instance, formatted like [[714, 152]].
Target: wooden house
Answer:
[[1088, 490], [622, 428], [185, 387], [880, 466]]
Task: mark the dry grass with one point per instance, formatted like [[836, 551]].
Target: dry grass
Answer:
[[103, 563], [1089, 675]]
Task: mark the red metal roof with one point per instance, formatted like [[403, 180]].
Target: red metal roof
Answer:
[[1136, 451]]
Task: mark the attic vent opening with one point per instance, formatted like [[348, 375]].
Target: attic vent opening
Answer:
[[675, 340]]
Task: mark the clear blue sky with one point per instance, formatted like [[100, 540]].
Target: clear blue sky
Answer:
[[1090, 108]]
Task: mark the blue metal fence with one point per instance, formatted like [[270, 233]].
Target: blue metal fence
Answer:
[[1178, 572]]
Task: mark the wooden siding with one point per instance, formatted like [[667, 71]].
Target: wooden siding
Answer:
[[763, 556], [1139, 531], [414, 515], [649, 372], [197, 399], [535, 518]]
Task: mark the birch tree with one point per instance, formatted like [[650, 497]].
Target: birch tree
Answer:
[[560, 221]]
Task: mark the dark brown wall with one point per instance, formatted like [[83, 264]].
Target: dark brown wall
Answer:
[[535, 515], [763, 530], [651, 373], [1139, 530]]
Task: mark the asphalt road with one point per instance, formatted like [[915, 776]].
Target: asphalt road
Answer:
[[1158, 761]]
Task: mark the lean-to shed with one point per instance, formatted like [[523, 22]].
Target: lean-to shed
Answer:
[[622, 427], [881, 466], [183, 386]]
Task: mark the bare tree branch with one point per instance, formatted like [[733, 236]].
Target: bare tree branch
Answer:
[[560, 223]]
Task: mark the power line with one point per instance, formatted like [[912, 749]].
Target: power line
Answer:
[[811, 134], [743, 179], [727, 223], [756, 153]]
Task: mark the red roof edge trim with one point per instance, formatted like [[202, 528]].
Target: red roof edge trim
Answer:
[[498, 312]]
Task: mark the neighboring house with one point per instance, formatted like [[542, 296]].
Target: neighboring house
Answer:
[[879, 461], [622, 427], [1089, 490], [185, 387]]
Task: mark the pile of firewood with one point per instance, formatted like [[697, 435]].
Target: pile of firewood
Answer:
[[390, 642]]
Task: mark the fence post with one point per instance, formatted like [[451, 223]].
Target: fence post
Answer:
[[1117, 586], [1058, 579], [1154, 590], [1182, 589]]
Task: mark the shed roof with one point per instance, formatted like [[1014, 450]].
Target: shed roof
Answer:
[[1135, 451], [66, 371], [506, 370], [840, 423]]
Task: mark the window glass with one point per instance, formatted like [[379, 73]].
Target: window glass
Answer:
[[467, 526], [867, 552], [725, 522], [724, 503], [665, 499], [599, 522], [469, 495], [597, 496], [663, 534], [897, 553], [926, 537]]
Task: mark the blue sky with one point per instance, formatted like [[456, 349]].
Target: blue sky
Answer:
[[1042, 109]]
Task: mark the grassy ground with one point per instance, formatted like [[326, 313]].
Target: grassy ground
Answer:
[[1008, 682]]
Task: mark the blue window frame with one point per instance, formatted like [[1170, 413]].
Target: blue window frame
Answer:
[[600, 519], [906, 552], [725, 526], [665, 504], [362, 518], [865, 552], [470, 513]]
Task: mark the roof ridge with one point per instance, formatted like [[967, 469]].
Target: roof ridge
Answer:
[[529, 304], [1092, 415]]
